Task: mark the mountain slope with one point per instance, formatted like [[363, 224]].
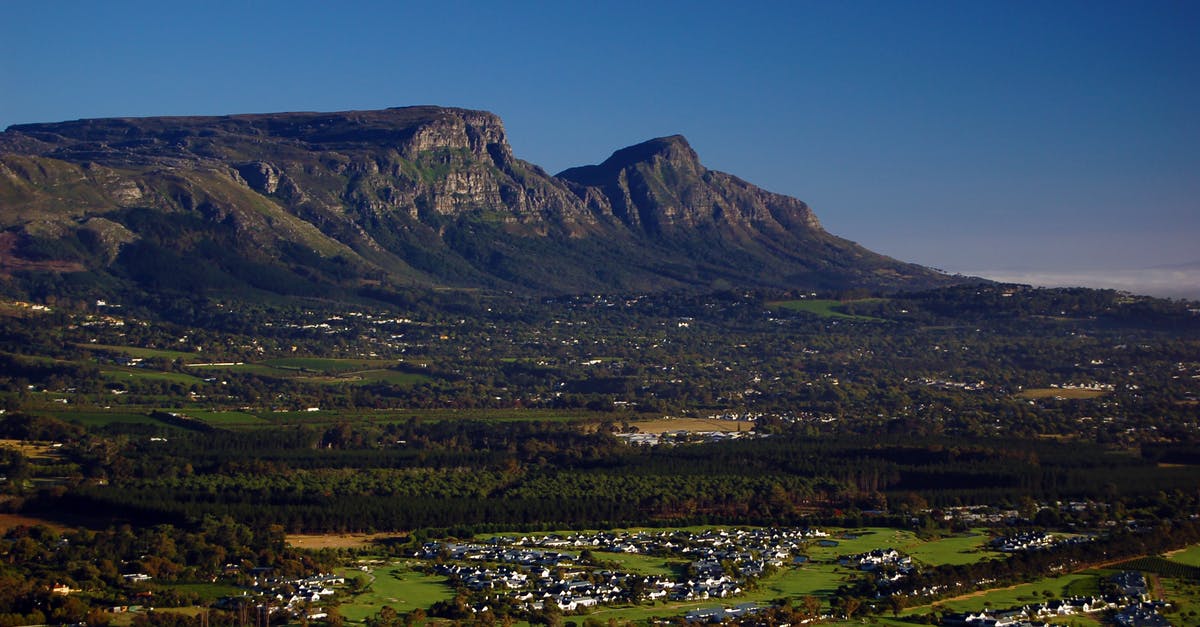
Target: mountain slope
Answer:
[[329, 203]]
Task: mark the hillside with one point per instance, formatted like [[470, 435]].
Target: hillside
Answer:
[[339, 203]]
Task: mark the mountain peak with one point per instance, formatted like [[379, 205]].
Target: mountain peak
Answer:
[[673, 148]]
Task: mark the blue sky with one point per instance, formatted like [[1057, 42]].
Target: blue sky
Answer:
[[972, 135]]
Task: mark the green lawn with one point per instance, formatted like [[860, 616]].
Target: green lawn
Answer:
[[398, 586], [960, 549], [327, 365], [1184, 595], [226, 418], [206, 591], [327, 371], [1189, 556], [391, 376], [248, 368], [117, 373], [864, 540], [823, 308], [1058, 587], [820, 580], [144, 353], [102, 418], [643, 613], [640, 564]]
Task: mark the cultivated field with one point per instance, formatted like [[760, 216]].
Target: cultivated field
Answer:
[[664, 425], [12, 521], [1067, 393], [339, 540], [823, 308]]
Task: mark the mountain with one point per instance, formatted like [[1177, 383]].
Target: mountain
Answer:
[[342, 203]]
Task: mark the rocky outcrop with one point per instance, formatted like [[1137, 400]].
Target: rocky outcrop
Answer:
[[417, 194], [660, 186]]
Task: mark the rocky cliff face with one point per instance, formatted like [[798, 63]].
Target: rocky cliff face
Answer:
[[424, 195]]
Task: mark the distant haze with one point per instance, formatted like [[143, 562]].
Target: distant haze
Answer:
[[1178, 282]]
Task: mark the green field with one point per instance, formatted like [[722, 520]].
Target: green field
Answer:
[[1185, 596], [819, 580], [225, 419], [1189, 556], [144, 353], [366, 377], [327, 365], [326, 371], [824, 308], [102, 418], [119, 373], [640, 564], [398, 586], [1013, 596], [249, 368], [959, 549], [206, 591]]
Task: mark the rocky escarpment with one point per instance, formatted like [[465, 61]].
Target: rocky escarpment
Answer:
[[416, 195], [660, 187]]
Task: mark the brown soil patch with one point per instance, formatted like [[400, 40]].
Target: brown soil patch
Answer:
[[1062, 393], [10, 262], [12, 521], [339, 540], [32, 450]]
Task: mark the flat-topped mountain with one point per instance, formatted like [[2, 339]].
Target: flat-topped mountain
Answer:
[[327, 203]]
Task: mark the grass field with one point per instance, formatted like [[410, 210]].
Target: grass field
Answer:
[[226, 419], [206, 591], [819, 580], [824, 308], [118, 373], [1012, 596], [326, 371], [959, 549], [1072, 394], [144, 353], [1185, 596], [327, 365], [640, 564], [247, 368], [433, 415], [398, 586], [102, 418], [367, 377], [1189, 556]]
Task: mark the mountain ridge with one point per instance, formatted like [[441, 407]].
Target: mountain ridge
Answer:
[[399, 197]]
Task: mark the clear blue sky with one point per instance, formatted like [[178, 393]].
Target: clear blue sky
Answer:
[[968, 135]]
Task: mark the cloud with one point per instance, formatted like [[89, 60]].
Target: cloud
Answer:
[[1179, 282]]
